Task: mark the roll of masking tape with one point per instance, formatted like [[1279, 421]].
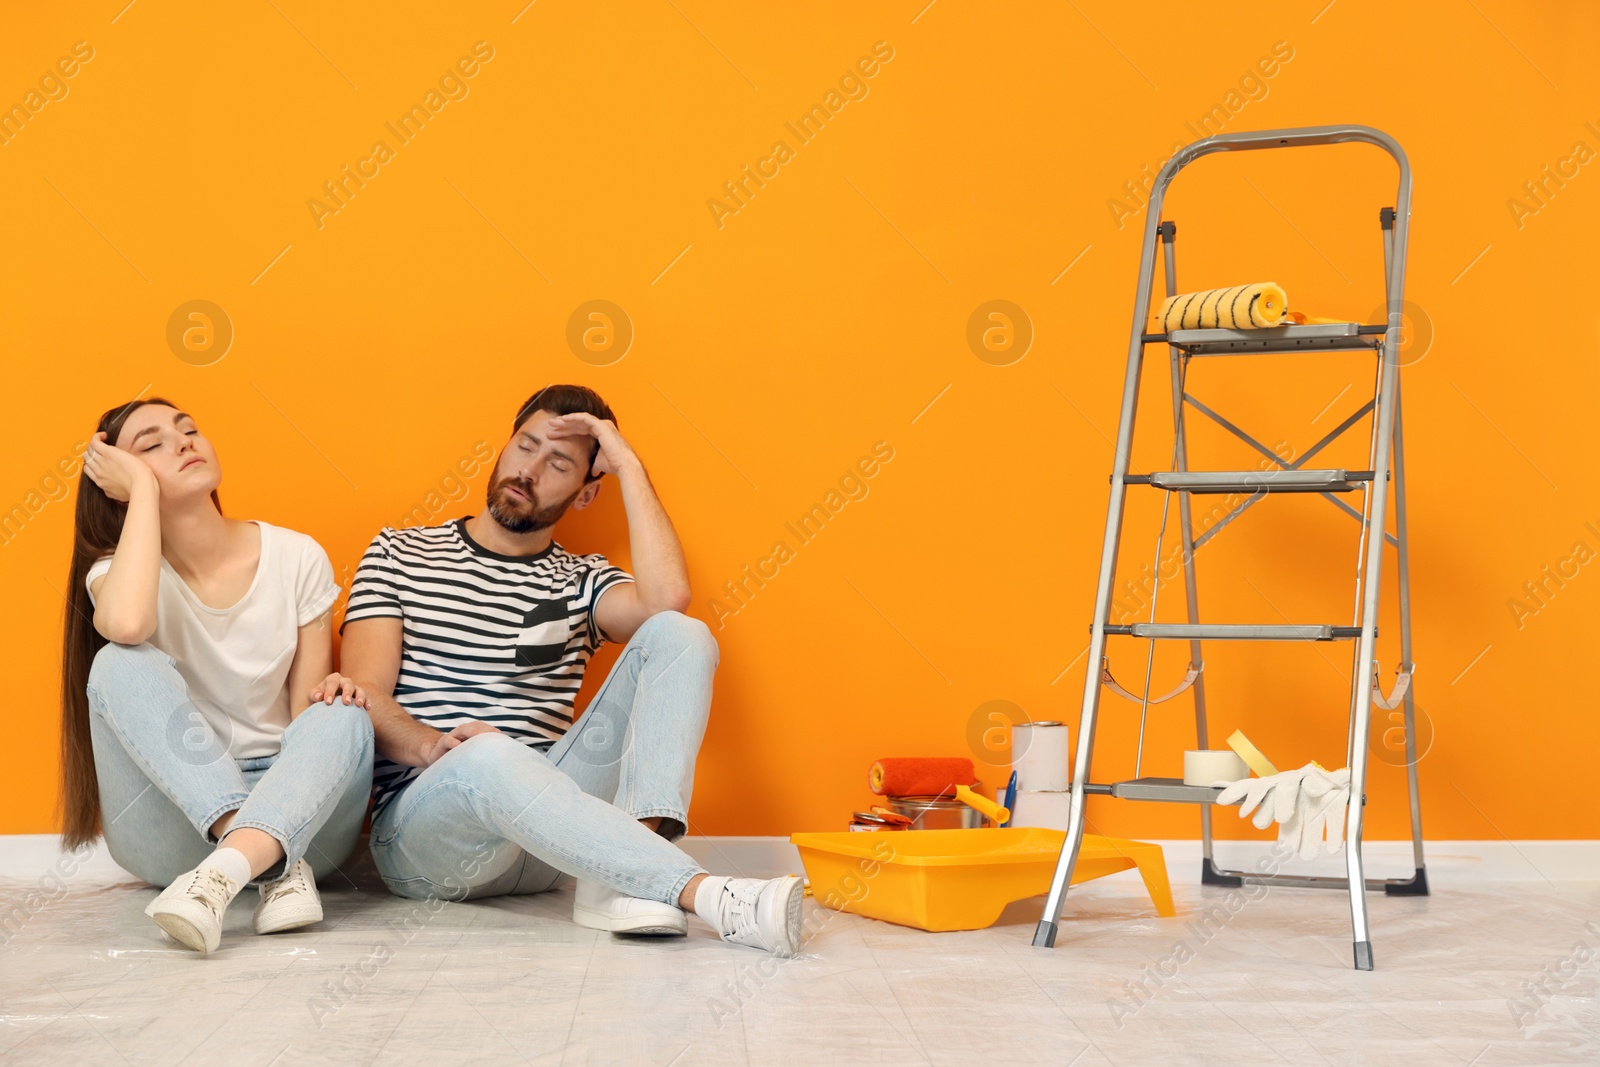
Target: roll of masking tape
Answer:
[[1251, 755], [1210, 766]]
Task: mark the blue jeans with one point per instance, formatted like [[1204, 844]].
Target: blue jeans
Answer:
[[493, 816], [164, 777]]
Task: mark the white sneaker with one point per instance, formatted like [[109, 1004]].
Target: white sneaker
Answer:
[[599, 907], [761, 913], [190, 909], [290, 902]]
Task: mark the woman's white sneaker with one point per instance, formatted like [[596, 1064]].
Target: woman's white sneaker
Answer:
[[290, 902], [190, 909], [761, 913]]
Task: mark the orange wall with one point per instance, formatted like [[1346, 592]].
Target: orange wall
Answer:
[[775, 346]]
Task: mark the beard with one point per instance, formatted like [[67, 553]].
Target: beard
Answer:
[[521, 516]]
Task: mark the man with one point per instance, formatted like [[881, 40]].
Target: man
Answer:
[[470, 640]]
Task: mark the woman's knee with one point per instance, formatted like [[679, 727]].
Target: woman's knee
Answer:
[[118, 668], [343, 721]]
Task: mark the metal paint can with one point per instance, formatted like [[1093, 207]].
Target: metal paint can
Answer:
[[1039, 755], [937, 813]]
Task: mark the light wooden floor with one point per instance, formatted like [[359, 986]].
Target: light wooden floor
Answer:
[[1491, 970]]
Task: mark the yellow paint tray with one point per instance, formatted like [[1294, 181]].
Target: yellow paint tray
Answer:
[[960, 879]]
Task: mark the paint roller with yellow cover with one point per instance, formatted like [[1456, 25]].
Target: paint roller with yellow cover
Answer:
[[1241, 307]]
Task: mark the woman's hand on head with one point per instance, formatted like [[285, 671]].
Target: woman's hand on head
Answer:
[[337, 685], [116, 470]]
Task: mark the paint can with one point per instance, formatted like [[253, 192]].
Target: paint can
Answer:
[[1039, 756]]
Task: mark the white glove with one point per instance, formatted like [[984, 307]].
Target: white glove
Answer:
[[1307, 804], [1320, 811], [1282, 789]]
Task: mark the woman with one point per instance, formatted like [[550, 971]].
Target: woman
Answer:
[[205, 732]]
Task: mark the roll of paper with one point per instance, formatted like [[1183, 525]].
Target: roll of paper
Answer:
[[1041, 807], [1213, 765], [1039, 756]]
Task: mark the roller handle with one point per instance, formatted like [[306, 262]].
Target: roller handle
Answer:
[[997, 813]]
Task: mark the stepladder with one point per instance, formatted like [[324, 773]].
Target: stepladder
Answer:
[[1372, 487]]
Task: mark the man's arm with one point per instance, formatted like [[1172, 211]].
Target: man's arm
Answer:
[[661, 576], [371, 656]]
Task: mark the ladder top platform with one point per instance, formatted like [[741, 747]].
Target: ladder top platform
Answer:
[[1332, 335]]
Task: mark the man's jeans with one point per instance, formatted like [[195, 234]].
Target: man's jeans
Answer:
[[165, 777], [493, 816]]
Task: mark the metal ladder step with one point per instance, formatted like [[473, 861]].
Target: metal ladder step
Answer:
[[1335, 480], [1169, 789], [1279, 339], [1229, 631]]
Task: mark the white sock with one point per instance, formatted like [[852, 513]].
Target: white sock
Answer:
[[231, 862], [705, 900]]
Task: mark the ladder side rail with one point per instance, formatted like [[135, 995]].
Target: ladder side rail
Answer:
[[1378, 486], [1045, 934], [1403, 573], [1419, 882], [1385, 418], [1169, 234]]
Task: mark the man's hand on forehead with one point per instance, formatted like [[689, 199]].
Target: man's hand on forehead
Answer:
[[613, 451]]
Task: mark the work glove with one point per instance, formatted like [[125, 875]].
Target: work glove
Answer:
[[1273, 798], [1307, 804], [1320, 811]]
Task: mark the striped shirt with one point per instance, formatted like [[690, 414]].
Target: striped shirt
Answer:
[[497, 638]]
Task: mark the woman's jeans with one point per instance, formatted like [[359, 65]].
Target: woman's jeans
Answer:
[[494, 816], [165, 777]]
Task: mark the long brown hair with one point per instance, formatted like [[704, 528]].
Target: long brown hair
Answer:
[[97, 527]]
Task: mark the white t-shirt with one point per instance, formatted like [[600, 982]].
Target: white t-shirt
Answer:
[[236, 660]]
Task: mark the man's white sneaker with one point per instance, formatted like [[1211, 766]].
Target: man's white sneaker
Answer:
[[190, 909], [290, 902], [599, 907], [760, 913]]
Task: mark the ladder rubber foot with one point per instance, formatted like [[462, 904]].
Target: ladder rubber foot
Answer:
[[1209, 876], [1363, 955], [1417, 887], [1045, 935]]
